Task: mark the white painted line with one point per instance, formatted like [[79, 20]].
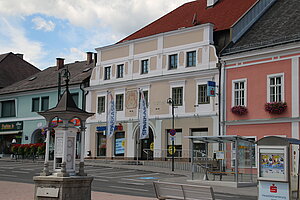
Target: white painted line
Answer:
[[136, 180], [104, 169], [20, 172], [127, 188], [102, 180], [8, 175], [131, 183]]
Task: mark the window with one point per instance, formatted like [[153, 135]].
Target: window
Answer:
[[144, 67], [107, 73], [35, 105], [191, 59], [101, 104], [177, 96], [101, 144], [239, 93], [202, 94], [276, 88], [8, 108], [75, 97], [173, 61], [119, 102], [45, 103], [199, 148], [177, 143], [120, 71]]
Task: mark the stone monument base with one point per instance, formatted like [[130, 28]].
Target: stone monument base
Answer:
[[62, 188]]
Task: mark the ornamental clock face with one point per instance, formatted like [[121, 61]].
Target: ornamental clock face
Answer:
[[131, 99]]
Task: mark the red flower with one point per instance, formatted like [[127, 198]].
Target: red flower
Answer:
[[239, 110], [276, 107]]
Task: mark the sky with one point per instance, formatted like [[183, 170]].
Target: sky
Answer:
[[44, 30]]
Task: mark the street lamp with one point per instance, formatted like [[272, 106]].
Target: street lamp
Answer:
[[170, 101], [65, 74]]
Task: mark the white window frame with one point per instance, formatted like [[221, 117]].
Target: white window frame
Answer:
[[282, 85], [233, 91], [175, 84], [168, 61], [186, 58], [117, 71], [148, 66], [110, 73]]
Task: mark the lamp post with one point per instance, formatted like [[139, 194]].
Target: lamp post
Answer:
[[65, 74], [170, 101]]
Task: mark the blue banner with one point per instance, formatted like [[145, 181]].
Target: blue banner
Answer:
[[111, 118], [143, 118]]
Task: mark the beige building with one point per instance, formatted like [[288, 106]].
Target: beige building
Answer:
[[175, 64], [172, 57]]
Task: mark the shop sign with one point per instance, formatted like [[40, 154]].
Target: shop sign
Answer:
[[11, 126], [270, 190], [103, 128]]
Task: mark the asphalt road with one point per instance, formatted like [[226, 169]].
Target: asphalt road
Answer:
[[106, 179]]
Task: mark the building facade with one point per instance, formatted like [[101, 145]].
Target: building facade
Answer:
[[261, 74], [175, 65], [20, 102]]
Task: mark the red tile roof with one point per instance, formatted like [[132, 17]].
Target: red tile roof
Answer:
[[223, 15]]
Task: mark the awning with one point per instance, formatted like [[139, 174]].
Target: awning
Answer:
[[10, 132]]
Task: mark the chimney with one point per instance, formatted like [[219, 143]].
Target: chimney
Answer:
[[211, 3], [19, 55], [89, 57], [59, 63], [95, 59]]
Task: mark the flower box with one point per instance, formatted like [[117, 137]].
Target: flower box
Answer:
[[276, 107], [239, 110]]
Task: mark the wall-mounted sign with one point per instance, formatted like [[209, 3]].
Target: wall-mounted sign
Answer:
[[211, 88], [269, 190], [11, 126], [120, 146], [220, 155]]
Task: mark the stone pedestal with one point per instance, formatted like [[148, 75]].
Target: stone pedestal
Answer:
[[62, 188]]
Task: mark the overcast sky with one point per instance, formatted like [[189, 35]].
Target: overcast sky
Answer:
[[43, 30]]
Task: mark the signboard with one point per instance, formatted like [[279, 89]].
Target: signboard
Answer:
[[172, 132], [170, 150], [273, 164], [271, 190], [119, 145], [220, 155], [211, 88], [11, 126]]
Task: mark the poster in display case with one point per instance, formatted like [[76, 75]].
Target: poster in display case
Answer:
[[273, 163]]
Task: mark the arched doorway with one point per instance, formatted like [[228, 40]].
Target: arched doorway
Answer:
[[144, 148], [37, 136]]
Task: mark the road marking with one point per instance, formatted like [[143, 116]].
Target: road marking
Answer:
[[136, 180], [127, 188], [105, 169], [131, 183], [102, 180], [20, 172]]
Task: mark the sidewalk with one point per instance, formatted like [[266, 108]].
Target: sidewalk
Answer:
[[25, 191]]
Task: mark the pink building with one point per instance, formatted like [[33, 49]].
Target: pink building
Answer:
[[261, 77]]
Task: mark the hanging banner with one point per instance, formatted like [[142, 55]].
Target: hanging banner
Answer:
[[111, 115], [143, 118]]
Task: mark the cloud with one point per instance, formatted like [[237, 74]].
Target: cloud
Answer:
[[41, 24], [123, 17], [13, 39]]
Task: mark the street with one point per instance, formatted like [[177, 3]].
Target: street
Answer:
[[106, 179]]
